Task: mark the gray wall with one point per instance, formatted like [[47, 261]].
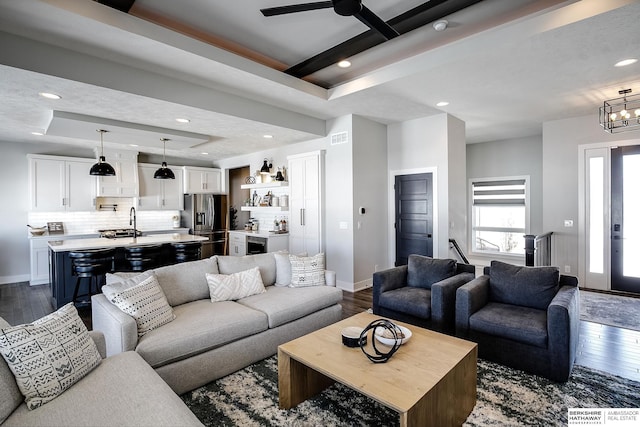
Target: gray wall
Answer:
[[561, 140]]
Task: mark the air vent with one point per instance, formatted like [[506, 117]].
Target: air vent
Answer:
[[339, 138]]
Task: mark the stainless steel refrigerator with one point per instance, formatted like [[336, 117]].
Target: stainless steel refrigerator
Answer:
[[207, 215]]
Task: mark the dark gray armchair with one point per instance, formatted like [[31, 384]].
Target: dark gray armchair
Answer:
[[527, 318], [422, 293]]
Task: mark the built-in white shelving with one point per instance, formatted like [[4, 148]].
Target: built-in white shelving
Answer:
[[265, 185]]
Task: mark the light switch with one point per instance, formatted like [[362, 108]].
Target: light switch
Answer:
[[568, 223], [344, 225]]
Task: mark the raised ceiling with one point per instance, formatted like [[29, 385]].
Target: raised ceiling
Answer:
[[505, 67]]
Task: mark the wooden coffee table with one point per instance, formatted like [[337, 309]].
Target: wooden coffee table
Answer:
[[429, 381]]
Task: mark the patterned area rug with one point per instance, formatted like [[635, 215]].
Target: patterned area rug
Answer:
[[506, 397], [612, 310]]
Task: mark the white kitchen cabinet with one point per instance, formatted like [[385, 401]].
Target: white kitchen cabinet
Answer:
[[61, 184], [39, 261], [237, 244], [159, 194], [125, 183], [202, 180], [305, 209]]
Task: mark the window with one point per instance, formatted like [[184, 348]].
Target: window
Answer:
[[499, 215]]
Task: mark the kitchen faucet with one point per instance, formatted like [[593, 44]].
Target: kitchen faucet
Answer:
[[132, 220]]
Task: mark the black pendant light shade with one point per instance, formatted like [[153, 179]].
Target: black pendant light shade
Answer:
[[164, 172], [102, 168]]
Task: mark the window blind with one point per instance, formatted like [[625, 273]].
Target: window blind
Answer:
[[498, 193]]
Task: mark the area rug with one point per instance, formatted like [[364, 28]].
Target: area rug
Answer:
[[506, 397], [612, 310]]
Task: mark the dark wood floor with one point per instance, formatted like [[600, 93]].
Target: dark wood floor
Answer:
[[606, 348]]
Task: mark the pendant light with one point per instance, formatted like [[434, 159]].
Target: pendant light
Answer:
[[266, 168], [102, 168], [164, 172]]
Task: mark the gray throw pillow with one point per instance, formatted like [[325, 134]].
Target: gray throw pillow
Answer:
[[532, 287], [423, 271]]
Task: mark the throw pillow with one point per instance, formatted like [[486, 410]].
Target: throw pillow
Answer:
[[307, 271], [142, 298], [532, 287], [49, 355], [423, 271], [230, 287], [283, 268]]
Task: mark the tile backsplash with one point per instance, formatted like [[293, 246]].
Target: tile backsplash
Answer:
[[90, 222]]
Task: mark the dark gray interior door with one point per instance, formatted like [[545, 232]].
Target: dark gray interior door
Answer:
[[414, 216], [625, 219]]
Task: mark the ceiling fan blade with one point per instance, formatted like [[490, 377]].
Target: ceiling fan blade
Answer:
[[282, 10], [374, 22]]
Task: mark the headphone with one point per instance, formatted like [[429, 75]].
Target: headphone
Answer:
[[379, 357]]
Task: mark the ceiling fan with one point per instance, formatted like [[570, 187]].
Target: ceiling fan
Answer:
[[341, 7]]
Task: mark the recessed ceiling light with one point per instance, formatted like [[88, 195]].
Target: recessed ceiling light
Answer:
[[49, 95], [204, 153], [37, 133], [133, 145], [442, 104], [626, 62], [182, 120], [344, 64], [267, 136]]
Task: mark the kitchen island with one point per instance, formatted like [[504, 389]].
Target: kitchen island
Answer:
[[62, 280]]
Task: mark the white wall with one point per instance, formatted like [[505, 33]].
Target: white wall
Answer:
[[14, 255], [370, 192], [435, 143], [561, 140]]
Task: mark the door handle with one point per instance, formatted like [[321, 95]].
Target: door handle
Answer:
[[302, 217]]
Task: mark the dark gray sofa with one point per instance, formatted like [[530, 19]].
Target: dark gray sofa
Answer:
[[422, 292], [527, 318]]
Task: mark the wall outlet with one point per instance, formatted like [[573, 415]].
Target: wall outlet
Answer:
[[567, 269], [376, 268]]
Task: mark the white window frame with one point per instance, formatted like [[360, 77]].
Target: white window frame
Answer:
[[527, 198]]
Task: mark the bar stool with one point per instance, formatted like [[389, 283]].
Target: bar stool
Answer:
[[143, 257], [93, 265], [187, 251]]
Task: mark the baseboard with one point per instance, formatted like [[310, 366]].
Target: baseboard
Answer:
[[354, 287], [4, 280]]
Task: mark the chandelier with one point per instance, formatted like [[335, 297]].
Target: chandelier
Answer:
[[621, 114]]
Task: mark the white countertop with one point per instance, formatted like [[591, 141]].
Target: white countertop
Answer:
[[102, 242], [259, 233]]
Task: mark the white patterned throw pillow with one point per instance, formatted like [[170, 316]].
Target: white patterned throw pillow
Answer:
[[49, 355], [141, 299], [307, 271], [231, 287]]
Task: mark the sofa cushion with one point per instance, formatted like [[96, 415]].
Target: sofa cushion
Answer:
[[181, 283], [49, 355], [522, 324], [230, 287], [185, 282], [142, 298], [234, 264], [410, 300], [424, 271], [199, 326], [122, 391], [10, 396], [284, 305], [307, 271], [532, 287]]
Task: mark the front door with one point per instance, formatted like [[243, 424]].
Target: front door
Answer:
[[625, 219], [413, 216]]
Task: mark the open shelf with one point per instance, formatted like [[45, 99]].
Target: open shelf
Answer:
[[271, 184], [265, 208]]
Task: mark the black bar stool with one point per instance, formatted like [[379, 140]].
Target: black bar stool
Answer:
[[93, 265], [143, 257], [187, 251]]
